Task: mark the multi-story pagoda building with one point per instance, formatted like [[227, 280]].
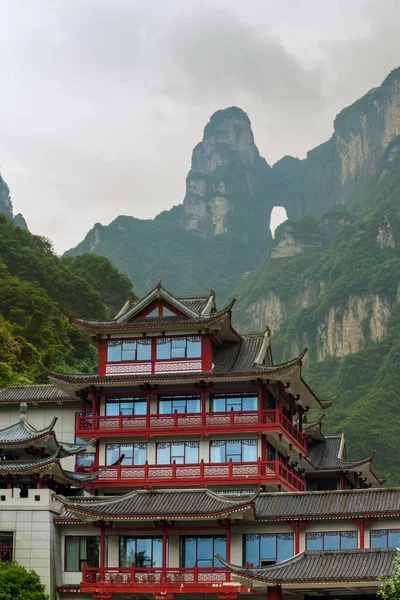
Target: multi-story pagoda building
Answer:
[[193, 467]]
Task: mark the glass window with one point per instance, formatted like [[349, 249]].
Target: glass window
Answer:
[[266, 548], [332, 540], [140, 551], [236, 401], [385, 538], [128, 350], [180, 452], [182, 404], [126, 454], [127, 406], [235, 450], [201, 549], [6, 545], [85, 459], [80, 550], [178, 347]]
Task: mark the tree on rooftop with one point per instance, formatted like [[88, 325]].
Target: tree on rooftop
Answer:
[[16, 583]]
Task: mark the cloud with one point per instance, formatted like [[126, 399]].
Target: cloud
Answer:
[[102, 101], [215, 56]]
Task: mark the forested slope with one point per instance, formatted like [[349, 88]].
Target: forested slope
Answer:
[[34, 284]]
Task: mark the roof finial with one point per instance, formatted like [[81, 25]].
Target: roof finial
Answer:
[[159, 284], [23, 409]]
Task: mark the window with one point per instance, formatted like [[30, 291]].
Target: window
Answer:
[[235, 450], [126, 454], [267, 548], [85, 459], [80, 550], [6, 545], [385, 538], [199, 550], [178, 347], [180, 452], [126, 350], [331, 540], [182, 404], [126, 406], [239, 401], [140, 551]]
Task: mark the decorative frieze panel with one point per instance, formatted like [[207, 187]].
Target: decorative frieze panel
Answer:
[[178, 367], [128, 369]]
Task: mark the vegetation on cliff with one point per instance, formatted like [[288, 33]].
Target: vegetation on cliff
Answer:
[[34, 284]]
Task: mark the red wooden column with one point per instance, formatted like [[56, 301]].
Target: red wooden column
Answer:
[[274, 592], [164, 555], [361, 532], [94, 398], [228, 548], [297, 525], [102, 551]]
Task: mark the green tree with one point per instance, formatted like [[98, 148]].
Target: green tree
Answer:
[[16, 583], [390, 589]]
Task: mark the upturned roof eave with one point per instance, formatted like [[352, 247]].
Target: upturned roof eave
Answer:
[[270, 575], [231, 506]]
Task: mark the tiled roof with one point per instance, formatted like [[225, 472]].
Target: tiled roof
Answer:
[[233, 359], [49, 464], [195, 304], [324, 455], [33, 393], [143, 504], [323, 566], [23, 432], [329, 504], [239, 357], [150, 322]]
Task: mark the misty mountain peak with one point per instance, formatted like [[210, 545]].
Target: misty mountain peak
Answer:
[[227, 137]]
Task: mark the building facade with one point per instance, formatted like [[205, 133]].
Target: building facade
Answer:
[[190, 464]]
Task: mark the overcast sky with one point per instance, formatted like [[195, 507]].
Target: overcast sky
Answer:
[[102, 101]]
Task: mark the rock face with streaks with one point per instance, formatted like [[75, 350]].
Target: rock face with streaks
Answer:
[[6, 206]]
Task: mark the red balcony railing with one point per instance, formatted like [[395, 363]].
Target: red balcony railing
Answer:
[[258, 472], [133, 579], [197, 423]]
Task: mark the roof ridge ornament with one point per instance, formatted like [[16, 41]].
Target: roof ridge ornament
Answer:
[[260, 358]]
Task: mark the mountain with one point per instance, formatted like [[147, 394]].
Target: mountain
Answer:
[[34, 285], [219, 232], [6, 207], [329, 280]]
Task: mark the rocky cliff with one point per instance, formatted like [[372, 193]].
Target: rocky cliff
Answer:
[[6, 207], [339, 170], [229, 184], [220, 231]]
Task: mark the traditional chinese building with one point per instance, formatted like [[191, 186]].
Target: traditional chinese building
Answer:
[[193, 465]]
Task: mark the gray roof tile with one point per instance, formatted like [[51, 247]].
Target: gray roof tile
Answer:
[[313, 505], [152, 504], [22, 432], [327, 566], [324, 455], [32, 393]]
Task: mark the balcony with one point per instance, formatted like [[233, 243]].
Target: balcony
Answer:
[[202, 423], [273, 473], [157, 580]]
